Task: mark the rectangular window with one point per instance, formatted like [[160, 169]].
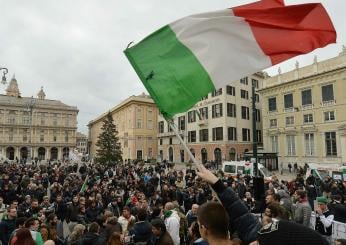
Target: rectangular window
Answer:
[[308, 118], [66, 136], [230, 90], [329, 116], [191, 136], [331, 149], [245, 113], [191, 116], [181, 123], [161, 127], [273, 123], [274, 143], [203, 135], [244, 94], [327, 93], [259, 136], [309, 144], [246, 134], [217, 133], [26, 118], [257, 98], [306, 97], [232, 133], [203, 112], [272, 104], [231, 110], [288, 101], [291, 145], [161, 141], [290, 121], [258, 115], [169, 128], [216, 92], [217, 110], [244, 80], [139, 123], [171, 141], [255, 83], [150, 124], [10, 134]]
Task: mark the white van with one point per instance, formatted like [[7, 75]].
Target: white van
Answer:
[[321, 171], [234, 168]]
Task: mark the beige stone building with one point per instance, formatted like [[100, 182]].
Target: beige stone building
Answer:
[[81, 143], [136, 121], [304, 117], [35, 127], [217, 128]]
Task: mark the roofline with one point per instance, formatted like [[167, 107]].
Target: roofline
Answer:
[[129, 100], [302, 78]]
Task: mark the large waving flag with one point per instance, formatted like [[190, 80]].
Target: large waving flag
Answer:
[[185, 60]]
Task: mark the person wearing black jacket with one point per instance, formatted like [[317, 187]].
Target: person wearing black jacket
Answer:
[[141, 231], [248, 227], [92, 236]]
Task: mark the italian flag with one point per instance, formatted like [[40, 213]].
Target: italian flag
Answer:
[[185, 60]]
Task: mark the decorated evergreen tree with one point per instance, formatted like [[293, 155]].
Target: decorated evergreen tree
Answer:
[[108, 145]]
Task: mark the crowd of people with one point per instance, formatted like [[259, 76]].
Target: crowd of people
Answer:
[[135, 203]]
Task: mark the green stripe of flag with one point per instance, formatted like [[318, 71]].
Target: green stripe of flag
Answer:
[[171, 73]]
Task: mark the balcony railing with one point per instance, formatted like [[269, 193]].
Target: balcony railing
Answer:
[[328, 103]]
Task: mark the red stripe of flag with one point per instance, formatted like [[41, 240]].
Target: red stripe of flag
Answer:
[[287, 31]]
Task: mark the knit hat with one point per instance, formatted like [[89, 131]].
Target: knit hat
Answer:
[[288, 233], [322, 199]]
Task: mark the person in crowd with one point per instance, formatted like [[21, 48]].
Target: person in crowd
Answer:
[[141, 231], [248, 227], [161, 235], [125, 218], [213, 221], [195, 235], [324, 218], [44, 232], [76, 235], [114, 239], [249, 201], [92, 236], [191, 215], [23, 237], [33, 225], [172, 222], [8, 225], [113, 207], [92, 212], [302, 209], [338, 209]]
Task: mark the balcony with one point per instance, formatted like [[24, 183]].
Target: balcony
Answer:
[[203, 122], [328, 103], [291, 109], [307, 107]]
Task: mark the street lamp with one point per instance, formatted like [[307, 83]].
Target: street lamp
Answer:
[[3, 79], [30, 107]]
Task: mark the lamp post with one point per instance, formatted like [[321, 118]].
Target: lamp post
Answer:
[[254, 132], [30, 108], [3, 79]]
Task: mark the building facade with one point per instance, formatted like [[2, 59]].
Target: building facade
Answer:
[[136, 121], [81, 143], [35, 127], [217, 128], [304, 117]]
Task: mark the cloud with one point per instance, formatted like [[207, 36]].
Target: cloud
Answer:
[[75, 48]]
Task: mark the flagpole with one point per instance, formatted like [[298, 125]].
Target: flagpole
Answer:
[[175, 130], [197, 164]]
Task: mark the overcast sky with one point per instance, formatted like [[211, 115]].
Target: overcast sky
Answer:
[[73, 48]]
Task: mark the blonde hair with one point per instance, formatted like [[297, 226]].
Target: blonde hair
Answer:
[[77, 232]]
